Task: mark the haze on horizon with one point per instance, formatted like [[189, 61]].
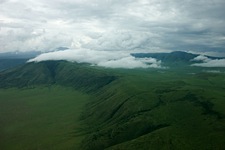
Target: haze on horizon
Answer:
[[113, 25]]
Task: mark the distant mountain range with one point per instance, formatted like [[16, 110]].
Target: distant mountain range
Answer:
[[168, 57], [11, 63], [19, 55], [177, 58], [12, 59], [173, 57]]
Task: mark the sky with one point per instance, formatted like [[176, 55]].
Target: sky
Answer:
[[113, 25]]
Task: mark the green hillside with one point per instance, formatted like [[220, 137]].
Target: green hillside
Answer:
[[115, 108]]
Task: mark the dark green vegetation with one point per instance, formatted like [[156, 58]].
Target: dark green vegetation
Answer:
[[126, 109]]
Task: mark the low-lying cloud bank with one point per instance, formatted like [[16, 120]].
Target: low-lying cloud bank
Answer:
[[109, 59], [207, 62]]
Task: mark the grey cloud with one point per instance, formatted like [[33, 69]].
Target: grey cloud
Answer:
[[120, 40], [2, 1], [142, 25], [201, 58]]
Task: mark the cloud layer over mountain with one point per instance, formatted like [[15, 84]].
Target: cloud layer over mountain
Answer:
[[114, 25], [207, 62], [109, 59]]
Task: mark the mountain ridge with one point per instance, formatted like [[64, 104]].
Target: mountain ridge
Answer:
[[175, 56]]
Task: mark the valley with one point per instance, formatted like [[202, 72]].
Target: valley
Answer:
[[59, 104]]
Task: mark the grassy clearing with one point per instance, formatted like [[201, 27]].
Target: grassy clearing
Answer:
[[40, 118]]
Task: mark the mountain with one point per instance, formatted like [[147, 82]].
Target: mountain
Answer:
[[173, 59], [127, 109], [168, 57], [19, 55], [178, 58]]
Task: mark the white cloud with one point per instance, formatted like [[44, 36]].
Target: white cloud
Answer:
[[213, 71], [201, 58], [126, 62], [212, 63], [109, 59], [131, 62], [207, 62]]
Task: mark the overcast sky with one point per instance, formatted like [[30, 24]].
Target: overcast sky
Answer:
[[113, 25]]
